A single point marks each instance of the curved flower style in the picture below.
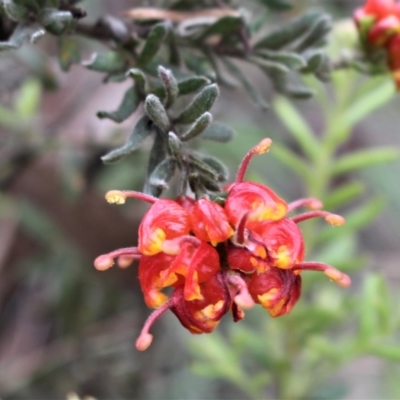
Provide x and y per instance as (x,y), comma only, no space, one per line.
(378,22)
(217,257)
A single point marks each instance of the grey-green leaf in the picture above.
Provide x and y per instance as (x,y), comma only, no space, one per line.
(292,31)
(254,95)
(218,132)
(153,43)
(111,62)
(224,26)
(129,104)
(140,132)
(201,103)
(156,112)
(55,21)
(163,173)
(170,85)
(200,125)
(277,4)
(140,80)
(220,169)
(290,59)
(192,84)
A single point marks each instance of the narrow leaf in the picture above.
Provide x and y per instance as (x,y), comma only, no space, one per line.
(200,125)
(218,132)
(201,103)
(111,62)
(369,103)
(68,51)
(363,159)
(291,60)
(291,32)
(140,132)
(156,112)
(298,127)
(140,80)
(357,220)
(278,4)
(344,194)
(220,169)
(158,153)
(163,173)
(170,85)
(192,84)
(224,26)
(254,95)
(153,43)
(291,161)
(129,104)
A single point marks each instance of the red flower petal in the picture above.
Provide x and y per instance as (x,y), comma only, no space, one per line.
(209,222)
(262,203)
(166,219)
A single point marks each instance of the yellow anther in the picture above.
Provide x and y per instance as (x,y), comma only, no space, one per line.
(115,197)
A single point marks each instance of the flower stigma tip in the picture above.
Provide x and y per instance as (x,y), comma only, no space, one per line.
(103,263)
(335,220)
(115,197)
(263,146)
(143,342)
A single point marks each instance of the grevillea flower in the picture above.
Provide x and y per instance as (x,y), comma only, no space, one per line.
(378,22)
(218,258)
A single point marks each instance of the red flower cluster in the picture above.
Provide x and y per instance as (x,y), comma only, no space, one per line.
(219,258)
(378,22)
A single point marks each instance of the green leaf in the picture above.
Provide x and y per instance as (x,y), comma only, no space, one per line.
(370,102)
(375,313)
(254,95)
(199,126)
(174,145)
(129,104)
(218,132)
(357,220)
(297,127)
(364,158)
(68,52)
(385,351)
(14,11)
(153,43)
(224,26)
(291,160)
(203,168)
(201,103)
(140,132)
(170,85)
(22,33)
(289,59)
(220,169)
(291,32)
(158,153)
(344,194)
(268,65)
(192,84)
(156,112)
(55,21)
(278,4)
(163,173)
(315,33)
(314,58)
(27,102)
(111,62)
(140,79)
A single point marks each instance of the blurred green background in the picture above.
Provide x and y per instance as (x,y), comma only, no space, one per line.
(65,327)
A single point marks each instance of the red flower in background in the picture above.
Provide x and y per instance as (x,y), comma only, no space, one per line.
(218,258)
(378,22)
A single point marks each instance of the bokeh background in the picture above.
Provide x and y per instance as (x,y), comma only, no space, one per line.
(64,327)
